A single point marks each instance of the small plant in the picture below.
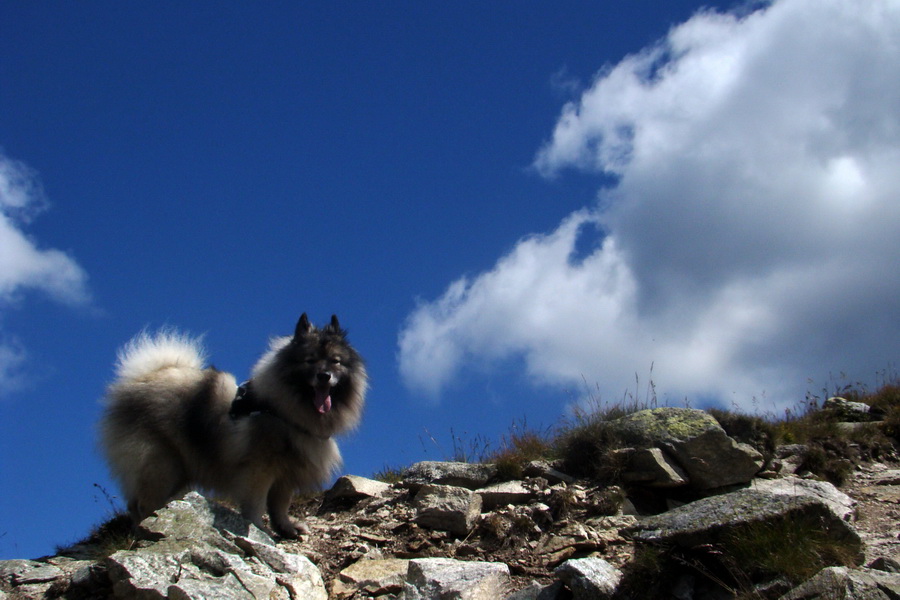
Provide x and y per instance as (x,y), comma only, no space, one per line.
(651,573)
(118,533)
(753,430)
(521,446)
(389,475)
(794,548)
(607,502)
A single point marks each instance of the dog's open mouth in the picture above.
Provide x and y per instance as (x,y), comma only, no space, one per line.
(323,398)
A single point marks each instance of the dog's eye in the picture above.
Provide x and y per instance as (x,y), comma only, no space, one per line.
(334,360)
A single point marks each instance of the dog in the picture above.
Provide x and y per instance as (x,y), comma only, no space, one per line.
(171,424)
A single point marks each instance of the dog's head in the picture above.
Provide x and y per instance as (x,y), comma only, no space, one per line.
(325,362)
(314,378)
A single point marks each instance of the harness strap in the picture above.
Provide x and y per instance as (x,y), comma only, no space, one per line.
(247,404)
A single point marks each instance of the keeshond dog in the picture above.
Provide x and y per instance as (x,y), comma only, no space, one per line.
(171,423)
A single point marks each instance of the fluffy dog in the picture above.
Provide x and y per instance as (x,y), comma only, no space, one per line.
(171,423)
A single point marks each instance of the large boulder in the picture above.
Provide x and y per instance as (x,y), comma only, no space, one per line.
(852,584)
(842,505)
(710,520)
(696,441)
(196,548)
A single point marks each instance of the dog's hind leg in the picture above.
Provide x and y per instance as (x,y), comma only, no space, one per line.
(154,487)
(279,501)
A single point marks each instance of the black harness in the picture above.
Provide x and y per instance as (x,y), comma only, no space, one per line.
(247,404)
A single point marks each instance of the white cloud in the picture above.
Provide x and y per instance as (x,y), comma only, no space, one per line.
(25,266)
(751,240)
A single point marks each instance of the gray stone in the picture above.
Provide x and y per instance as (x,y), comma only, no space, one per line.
(508,492)
(192,550)
(842,505)
(373,577)
(447,508)
(145,574)
(886,564)
(653,468)
(195,518)
(536,591)
(354,487)
(25,572)
(227,587)
(696,441)
(848,411)
(468,475)
(274,557)
(541,468)
(306,583)
(835,583)
(448,579)
(589,578)
(706,521)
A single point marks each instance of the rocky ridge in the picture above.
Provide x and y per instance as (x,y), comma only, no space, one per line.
(452,530)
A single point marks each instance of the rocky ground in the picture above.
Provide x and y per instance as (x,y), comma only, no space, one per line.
(342,532)
(459,530)
(876,487)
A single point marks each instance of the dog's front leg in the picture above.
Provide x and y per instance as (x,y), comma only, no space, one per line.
(280,497)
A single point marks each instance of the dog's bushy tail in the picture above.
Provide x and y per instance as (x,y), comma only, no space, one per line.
(147,353)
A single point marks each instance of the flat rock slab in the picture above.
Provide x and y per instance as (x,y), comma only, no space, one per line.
(708,520)
(448,579)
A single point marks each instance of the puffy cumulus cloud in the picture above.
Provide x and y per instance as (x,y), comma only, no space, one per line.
(751,238)
(24,265)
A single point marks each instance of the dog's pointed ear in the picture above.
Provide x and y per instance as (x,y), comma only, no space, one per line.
(334,323)
(303,326)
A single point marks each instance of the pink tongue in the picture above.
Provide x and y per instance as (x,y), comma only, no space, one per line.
(323,401)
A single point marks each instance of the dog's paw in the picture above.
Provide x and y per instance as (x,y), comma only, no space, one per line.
(287,527)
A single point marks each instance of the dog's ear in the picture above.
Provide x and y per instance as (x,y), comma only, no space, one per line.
(334,323)
(303,326)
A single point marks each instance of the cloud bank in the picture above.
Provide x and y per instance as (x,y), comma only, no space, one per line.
(752,236)
(25,266)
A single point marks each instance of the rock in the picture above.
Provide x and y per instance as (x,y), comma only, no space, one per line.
(852,584)
(709,520)
(589,578)
(883,563)
(196,548)
(542,468)
(142,574)
(696,441)
(847,411)
(354,487)
(468,475)
(508,492)
(447,508)
(842,505)
(448,579)
(25,572)
(536,591)
(373,577)
(195,518)
(653,468)
(888,477)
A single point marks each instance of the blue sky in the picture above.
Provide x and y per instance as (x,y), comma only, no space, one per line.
(510,206)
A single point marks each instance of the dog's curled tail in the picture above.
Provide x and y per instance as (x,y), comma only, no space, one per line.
(147,353)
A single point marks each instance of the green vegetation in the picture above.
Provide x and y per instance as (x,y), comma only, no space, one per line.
(109,537)
(585,445)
